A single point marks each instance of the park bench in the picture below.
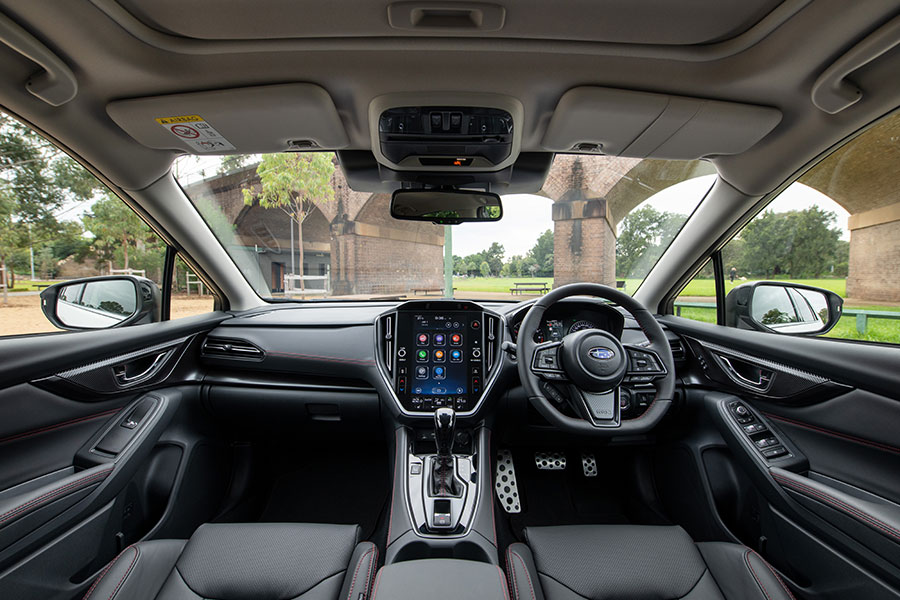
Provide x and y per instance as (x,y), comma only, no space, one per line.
(521,287)
(429,291)
(41,286)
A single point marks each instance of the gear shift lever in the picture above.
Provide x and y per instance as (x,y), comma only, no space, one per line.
(444,426)
(443,481)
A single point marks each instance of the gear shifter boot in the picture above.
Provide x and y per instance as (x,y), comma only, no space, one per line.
(443,480)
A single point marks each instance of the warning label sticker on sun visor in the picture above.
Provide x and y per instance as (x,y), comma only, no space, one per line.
(196,133)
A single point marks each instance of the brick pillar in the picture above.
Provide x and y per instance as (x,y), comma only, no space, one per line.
(584,241)
(875,255)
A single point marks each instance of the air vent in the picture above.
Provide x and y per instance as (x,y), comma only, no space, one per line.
(493,339)
(386,328)
(230,348)
(678,351)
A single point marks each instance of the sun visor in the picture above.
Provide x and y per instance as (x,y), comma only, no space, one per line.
(253,120)
(642,125)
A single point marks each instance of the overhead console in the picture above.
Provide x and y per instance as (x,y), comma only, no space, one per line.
(445,132)
(439,354)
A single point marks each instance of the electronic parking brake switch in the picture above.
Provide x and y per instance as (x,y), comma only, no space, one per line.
(120,434)
(766,443)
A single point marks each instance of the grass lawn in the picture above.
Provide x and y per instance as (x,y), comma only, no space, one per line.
(495,284)
(878,330)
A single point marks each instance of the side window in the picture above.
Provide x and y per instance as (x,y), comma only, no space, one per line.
(697,301)
(190,295)
(836,228)
(58,222)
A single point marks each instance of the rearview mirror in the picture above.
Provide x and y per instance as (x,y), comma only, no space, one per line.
(101,302)
(782,307)
(444,207)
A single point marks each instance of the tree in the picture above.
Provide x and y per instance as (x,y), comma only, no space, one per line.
(232,162)
(36,179)
(494,257)
(294,182)
(541,254)
(117,229)
(643,236)
(485,269)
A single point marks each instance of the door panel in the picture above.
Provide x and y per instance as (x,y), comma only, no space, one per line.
(835,407)
(80,417)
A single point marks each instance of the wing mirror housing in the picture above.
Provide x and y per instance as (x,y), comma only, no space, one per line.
(446,207)
(783,307)
(102,302)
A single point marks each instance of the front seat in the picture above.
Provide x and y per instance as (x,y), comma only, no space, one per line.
(260,561)
(634,562)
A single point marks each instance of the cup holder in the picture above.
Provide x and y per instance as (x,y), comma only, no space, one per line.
(422,549)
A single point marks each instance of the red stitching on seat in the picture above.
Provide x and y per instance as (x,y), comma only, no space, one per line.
(372,564)
(511,571)
(775,573)
(503,583)
(51,495)
(527,575)
(752,572)
(356,572)
(377,579)
(104,572)
(867,518)
(127,573)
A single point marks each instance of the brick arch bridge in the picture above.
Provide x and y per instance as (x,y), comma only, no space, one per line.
(367,252)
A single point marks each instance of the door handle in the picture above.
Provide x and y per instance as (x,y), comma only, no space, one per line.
(123,378)
(763,377)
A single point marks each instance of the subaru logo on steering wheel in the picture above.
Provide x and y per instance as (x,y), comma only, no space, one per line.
(601,353)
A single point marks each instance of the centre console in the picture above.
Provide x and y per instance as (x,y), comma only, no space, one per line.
(439,354)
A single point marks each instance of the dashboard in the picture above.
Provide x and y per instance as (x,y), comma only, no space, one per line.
(568,317)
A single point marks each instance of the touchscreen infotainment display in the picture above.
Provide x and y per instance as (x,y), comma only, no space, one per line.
(439,359)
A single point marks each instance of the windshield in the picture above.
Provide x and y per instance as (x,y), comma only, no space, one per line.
(297,231)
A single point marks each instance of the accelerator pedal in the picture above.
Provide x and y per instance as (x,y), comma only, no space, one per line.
(505,483)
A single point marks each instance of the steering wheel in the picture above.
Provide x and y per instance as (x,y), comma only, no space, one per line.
(593,364)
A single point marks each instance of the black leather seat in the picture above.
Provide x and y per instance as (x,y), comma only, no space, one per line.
(633,562)
(265,561)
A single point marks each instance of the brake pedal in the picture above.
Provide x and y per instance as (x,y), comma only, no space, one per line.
(589,465)
(550,461)
(505,486)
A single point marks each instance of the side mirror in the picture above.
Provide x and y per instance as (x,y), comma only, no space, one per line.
(782,307)
(446,207)
(102,302)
